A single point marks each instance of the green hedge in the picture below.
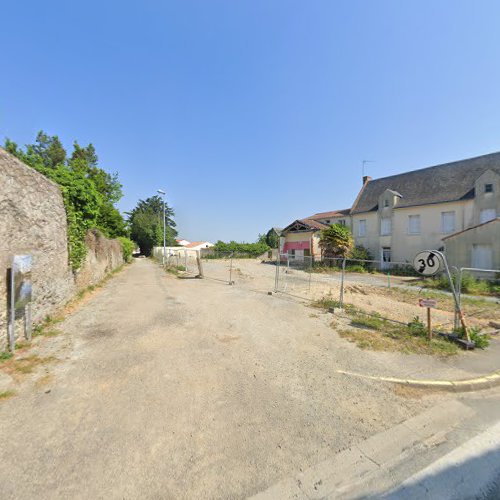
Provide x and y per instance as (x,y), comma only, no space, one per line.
(128,247)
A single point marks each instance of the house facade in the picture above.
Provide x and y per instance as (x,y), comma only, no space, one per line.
(476,247)
(301,238)
(398,216)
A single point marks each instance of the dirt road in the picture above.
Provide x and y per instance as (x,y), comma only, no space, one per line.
(170,388)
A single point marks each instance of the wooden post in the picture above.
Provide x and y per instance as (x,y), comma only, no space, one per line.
(200,265)
(429,323)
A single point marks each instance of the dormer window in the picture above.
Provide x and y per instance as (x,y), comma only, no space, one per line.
(488,188)
(386,203)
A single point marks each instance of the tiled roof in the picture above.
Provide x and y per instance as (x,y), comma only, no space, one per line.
(313,223)
(195,244)
(334,213)
(441,183)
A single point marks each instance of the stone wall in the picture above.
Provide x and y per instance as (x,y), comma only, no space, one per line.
(103,255)
(33,221)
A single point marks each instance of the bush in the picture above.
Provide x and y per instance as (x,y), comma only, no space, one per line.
(470,284)
(416,327)
(128,247)
(241,249)
(357,268)
(480,340)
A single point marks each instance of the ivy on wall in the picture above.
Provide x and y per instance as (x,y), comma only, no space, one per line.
(88,191)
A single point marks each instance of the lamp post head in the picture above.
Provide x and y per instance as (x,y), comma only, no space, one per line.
(161,192)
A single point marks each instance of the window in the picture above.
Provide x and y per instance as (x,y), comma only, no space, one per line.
(482,256)
(386,203)
(307,252)
(385,226)
(447,222)
(487,214)
(327,221)
(342,222)
(488,188)
(414,224)
(362,228)
(292,252)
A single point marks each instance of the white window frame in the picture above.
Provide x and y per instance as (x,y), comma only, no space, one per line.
(362,224)
(385,226)
(414,228)
(446,227)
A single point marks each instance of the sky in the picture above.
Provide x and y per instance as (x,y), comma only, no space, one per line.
(253,113)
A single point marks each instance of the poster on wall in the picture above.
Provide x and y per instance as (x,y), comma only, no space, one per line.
(21,283)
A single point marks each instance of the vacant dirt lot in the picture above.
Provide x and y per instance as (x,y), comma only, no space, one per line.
(365,291)
(161,387)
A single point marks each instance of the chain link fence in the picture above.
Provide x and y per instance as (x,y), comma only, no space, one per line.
(305,276)
(390,290)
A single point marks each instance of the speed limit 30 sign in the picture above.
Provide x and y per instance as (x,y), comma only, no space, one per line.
(427,263)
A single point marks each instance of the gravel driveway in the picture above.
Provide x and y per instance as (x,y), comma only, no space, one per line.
(185,388)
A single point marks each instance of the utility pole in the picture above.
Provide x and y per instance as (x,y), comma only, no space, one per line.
(160,191)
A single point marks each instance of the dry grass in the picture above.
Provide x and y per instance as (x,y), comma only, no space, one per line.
(396,339)
(26,364)
(6,394)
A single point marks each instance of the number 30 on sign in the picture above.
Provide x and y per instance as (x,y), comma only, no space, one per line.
(427,263)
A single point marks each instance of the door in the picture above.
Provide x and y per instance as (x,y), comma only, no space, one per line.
(386,258)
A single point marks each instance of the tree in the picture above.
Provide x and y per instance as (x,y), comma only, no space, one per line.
(89,192)
(273,238)
(146,224)
(336,241)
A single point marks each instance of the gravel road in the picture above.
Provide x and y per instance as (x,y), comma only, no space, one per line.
(186,388)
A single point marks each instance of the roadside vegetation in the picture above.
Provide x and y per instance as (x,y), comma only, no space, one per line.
(470,284)
(239,250)
(146,224)
(372,331)
(89,192)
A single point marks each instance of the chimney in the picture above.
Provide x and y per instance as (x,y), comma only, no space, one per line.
(366,178)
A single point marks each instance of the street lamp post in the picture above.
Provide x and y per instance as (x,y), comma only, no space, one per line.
(164,228)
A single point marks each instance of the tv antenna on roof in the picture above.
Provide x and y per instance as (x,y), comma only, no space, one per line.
(363,163)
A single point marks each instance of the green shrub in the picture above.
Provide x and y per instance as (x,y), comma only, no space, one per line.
(128,247)
(416,327)
(469,284)
(240,250)
(357,268)
(359,252)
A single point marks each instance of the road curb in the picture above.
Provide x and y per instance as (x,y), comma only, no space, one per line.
(473,384)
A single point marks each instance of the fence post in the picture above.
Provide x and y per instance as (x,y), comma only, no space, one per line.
(185,260)
(200,265)
(28,323)
(277,273)
(341,299)
(459,296)
(310,274)
(231,268)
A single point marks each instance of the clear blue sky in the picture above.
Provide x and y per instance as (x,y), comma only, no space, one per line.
(252,113)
